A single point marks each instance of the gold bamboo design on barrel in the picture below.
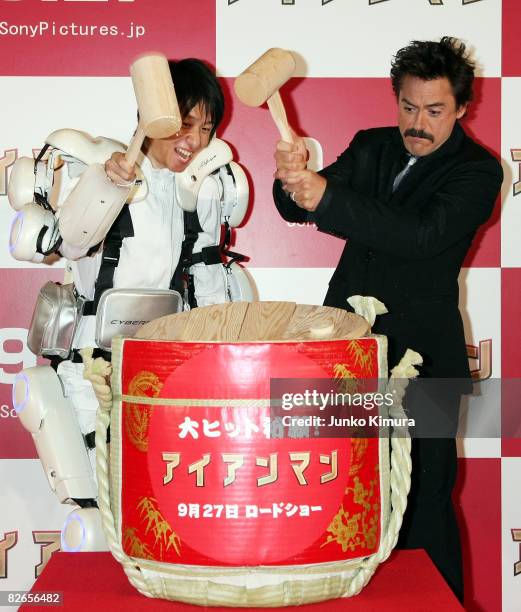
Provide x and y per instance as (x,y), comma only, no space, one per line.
(134,546)
(164,536)
(360,355)
(358,452)
(358,529)
(137,416)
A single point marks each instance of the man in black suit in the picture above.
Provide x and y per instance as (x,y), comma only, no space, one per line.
(408,200)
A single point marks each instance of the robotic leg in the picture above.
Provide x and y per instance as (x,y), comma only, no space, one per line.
(49,416)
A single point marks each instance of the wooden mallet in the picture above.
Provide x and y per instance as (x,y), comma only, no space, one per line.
(261,82)
(95,202)
(159,115)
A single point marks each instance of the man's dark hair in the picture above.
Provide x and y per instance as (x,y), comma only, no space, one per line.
(430,60)
(194,84)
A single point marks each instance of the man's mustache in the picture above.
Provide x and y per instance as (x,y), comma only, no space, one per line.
(418,134)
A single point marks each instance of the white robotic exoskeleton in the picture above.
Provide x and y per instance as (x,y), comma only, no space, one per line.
(92,206)
(188,182)
(38,393)
(215,161)
(25,180)
(50,418)
(83,532)
(79,150)
(38,230)
(34,229)
(82,147)
(235,194)
(34,233)
(240,286)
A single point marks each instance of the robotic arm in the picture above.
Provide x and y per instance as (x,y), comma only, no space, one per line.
(36,230)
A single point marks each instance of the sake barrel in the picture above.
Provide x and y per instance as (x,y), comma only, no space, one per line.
(215,495)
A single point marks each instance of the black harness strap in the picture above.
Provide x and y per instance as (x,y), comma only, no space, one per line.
(182,281)
(42,201)
(41,154)
(209,256)
(121,228)
(225,247)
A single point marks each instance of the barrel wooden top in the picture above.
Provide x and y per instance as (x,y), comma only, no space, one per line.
(257,322)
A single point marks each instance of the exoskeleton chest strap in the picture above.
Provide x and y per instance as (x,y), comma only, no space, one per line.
(122,228)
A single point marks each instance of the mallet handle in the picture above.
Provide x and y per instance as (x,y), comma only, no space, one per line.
(134,147)
(278,112)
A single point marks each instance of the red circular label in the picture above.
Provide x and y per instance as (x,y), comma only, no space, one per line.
(235,495)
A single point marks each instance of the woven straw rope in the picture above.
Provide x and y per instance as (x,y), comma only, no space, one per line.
(209,592)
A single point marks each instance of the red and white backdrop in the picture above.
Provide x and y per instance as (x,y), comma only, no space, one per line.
(64,63)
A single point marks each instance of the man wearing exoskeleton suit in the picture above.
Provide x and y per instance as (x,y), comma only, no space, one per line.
(168,237)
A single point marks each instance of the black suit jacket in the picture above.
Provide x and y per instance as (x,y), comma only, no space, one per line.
(406,248)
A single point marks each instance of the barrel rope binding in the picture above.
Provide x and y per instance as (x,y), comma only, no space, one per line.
(400,474)
(97,371)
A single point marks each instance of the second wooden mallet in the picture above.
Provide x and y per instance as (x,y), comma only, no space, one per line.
(261,82)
